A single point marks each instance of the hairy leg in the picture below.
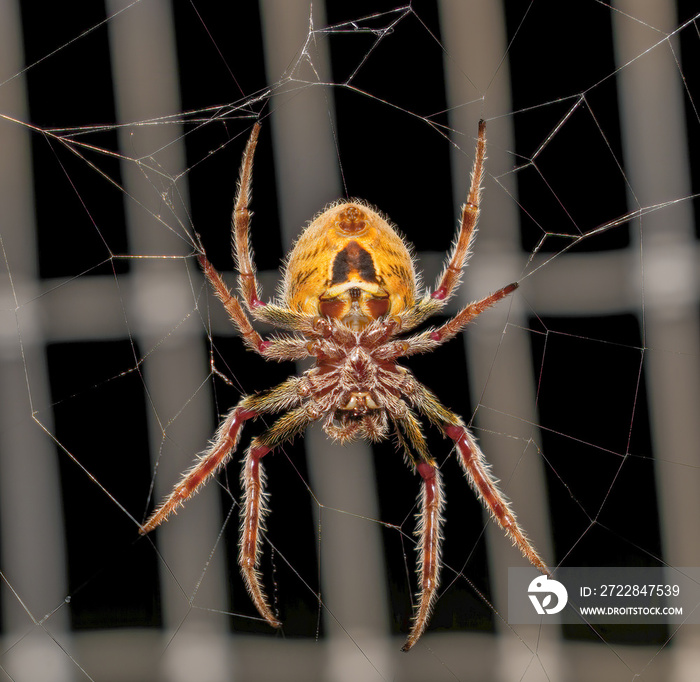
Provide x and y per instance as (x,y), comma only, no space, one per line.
(457,258)
(432,338)
(223,446)
(454,325)
(277,348)
(482,481)
(233,307)
(253,509)
(242,250)
(429,529)
(477,470)
(430,541)
(451,275)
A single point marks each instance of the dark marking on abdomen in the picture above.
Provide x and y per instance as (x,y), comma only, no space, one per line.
(353,259)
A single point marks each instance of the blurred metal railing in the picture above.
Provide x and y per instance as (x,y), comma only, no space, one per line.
(196,643)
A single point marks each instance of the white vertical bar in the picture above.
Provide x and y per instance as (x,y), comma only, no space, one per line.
(145,73)
(302,122)
(476,67)
(31,520)
(352,569)
(656,164)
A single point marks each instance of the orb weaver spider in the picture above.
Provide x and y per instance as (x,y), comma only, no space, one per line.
(349,291)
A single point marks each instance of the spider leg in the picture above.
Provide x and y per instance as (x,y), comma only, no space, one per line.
(280,348)
(281,316)
(432,338)
(233,307)
(242,250)
(486,486)
(430,536)
(453,326)
(477,470)
(452,273)
(223,446)
(254,508)
(428,530)
(247,278)
(421,311)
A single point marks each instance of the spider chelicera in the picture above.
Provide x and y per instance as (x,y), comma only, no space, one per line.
(350,292)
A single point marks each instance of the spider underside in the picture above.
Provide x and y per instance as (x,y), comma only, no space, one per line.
(350,291)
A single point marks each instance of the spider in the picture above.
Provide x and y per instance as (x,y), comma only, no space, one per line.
(350,292)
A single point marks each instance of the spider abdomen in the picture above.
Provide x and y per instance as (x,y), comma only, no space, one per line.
(350,264)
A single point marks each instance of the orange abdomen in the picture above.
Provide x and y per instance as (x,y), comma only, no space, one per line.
(350,261)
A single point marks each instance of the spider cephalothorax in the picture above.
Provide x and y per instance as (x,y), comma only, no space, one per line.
(350,298)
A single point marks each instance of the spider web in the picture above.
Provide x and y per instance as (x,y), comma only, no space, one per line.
(117,361)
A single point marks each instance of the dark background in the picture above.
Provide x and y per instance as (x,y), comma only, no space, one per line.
(113,578)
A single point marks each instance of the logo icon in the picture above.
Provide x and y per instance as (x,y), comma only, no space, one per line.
(540,592)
